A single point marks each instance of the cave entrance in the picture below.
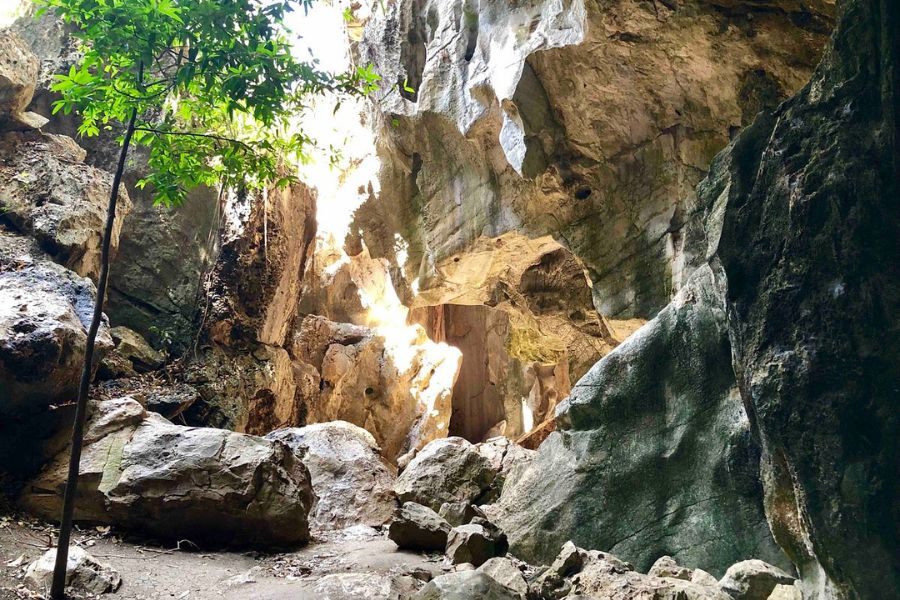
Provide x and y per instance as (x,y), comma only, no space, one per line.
(479,332)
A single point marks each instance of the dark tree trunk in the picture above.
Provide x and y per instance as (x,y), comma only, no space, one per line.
(57,591)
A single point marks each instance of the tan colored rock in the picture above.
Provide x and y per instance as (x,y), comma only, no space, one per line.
(589,121)
(19,70)
(520,310)
(395,383)
(135,348)
(48,193)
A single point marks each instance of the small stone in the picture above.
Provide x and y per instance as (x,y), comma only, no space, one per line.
(753,580)
(84,573)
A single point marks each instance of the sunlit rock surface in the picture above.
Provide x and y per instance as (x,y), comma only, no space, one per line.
(592,122)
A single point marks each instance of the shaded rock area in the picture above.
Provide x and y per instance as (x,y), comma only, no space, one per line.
(212,486)
(417,527)
(809,244)
(589,121)
(659,411)
(353,484)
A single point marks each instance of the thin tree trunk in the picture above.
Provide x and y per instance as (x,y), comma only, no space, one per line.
(57,591)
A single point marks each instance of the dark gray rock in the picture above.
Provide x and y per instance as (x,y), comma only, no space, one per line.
(809,246)
(417,527)
(653,453)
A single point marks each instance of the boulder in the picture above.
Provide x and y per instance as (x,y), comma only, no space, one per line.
(446,470)
(459,513)
(475,543)
(140,471)
(465,585)
(786,592)
(353,484)
(417,527)
(753,580)
(84,573)
(45,311)
(368,586)
(47,192)
(19,70)
(652,454)
(505,572)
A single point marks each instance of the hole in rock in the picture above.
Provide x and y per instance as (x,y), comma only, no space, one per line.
(470,26)
(583,193)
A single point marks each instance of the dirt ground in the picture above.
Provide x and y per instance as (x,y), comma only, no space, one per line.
(359,563)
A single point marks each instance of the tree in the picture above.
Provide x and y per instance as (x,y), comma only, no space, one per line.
(210,88)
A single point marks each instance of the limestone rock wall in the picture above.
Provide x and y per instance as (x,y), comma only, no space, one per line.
(592,122)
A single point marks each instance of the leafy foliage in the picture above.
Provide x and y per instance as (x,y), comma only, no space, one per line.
(213,83)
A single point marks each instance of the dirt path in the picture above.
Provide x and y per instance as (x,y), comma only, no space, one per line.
(359,563)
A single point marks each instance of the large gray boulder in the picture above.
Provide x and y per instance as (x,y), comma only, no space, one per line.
(354,485)
(211,486)
(653,454)
(446,470)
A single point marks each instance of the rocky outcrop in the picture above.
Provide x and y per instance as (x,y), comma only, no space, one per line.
(48,193)
(753,580)
(395,383)
(520,311)
(352,482)
(653,454)
(592,122)
(18,75)
(809,229)
(141,472)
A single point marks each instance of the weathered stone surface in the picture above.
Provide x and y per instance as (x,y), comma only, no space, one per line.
(352,482)
(19,69)
(520,310)
(368,586)
(45,311)
(394,383)
(807,200)
(142,472)
(84,573)
(652,455)
(665,566)
(135,348)
(47,192)
(505,571)
(465,585)
(459,513)
(589,121)
(475,543)
(753,580)
(417,527)
(446,470)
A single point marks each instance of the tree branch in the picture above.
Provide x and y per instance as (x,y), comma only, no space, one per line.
(210,136)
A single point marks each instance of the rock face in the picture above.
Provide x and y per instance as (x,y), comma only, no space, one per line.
(520,311)
(592,122)
(47,192)
(809,246)
(394,383)
(352,482)
(653,453)
(215,487)
(84,573)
